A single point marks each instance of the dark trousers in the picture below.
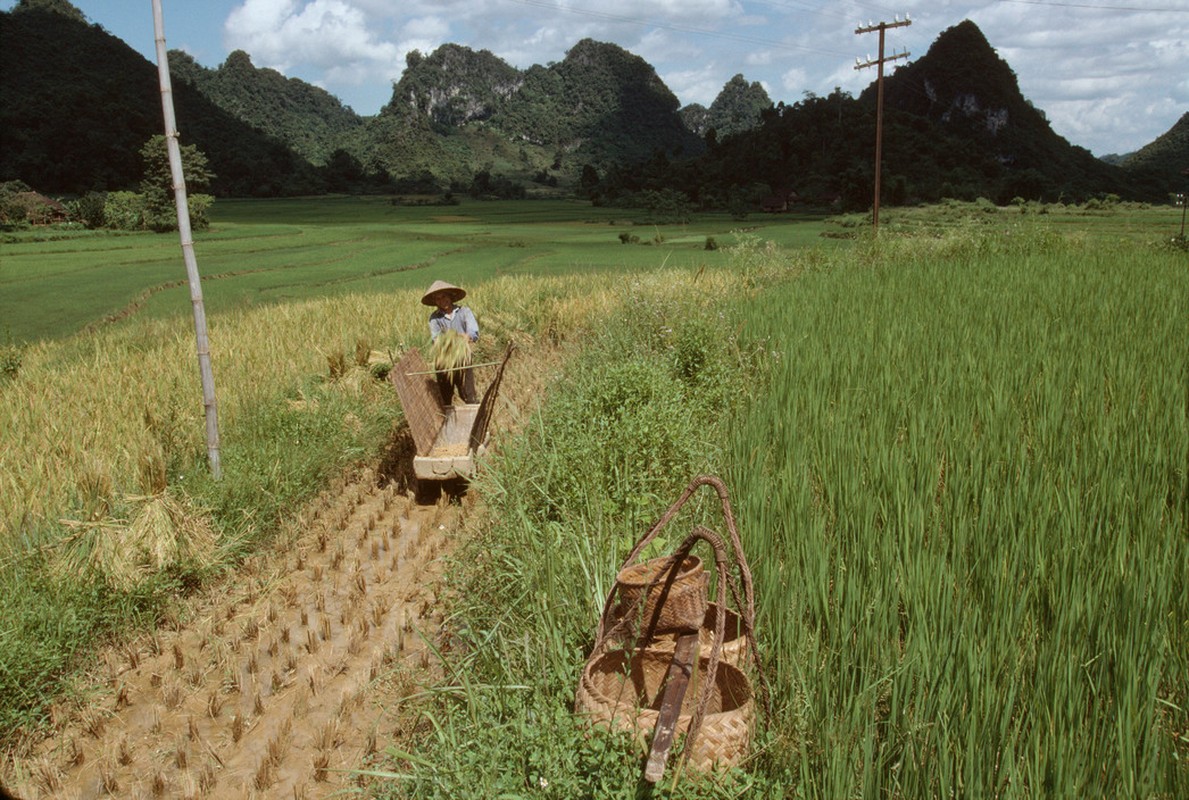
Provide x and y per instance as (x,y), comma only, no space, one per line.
(462,380)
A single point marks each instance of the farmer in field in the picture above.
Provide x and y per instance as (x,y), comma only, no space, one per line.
(453,330)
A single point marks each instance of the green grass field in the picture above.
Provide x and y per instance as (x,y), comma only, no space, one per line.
(959,455)
(276,251)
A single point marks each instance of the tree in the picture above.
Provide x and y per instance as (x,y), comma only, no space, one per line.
(62,7)
(588,181)
(344,173)
(89,209)
(160,213)
(12,211)
(737,108)
(666,205)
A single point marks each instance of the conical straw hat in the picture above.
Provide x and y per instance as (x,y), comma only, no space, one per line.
(456,292)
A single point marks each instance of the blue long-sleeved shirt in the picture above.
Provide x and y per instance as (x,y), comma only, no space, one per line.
(460,318)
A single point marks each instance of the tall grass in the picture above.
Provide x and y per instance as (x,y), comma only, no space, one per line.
(81,413)
(966,488)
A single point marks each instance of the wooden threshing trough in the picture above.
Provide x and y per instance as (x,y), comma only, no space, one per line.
(447,439)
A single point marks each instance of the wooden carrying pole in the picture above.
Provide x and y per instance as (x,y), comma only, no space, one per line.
(183,207)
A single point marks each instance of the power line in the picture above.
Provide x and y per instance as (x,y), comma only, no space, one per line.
(807,7)
(1147,9)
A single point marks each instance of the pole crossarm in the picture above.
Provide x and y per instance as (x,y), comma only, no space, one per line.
(878,61)
(883,26)
(880,28)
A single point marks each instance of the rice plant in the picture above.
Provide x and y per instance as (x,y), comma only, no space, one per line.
(966,491)
(106,510)
(961,483)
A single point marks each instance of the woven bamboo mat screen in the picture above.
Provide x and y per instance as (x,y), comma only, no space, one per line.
(487,404)
(420,399)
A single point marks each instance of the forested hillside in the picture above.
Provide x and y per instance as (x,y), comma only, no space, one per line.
(434,130)
(1165,160)
(955,126)
(459,111)
(600,103)
(312,121)
(737,108)
(79,104)
(962,90)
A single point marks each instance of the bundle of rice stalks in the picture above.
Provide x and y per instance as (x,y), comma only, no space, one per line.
(161,534)
(450,350)
(379,364)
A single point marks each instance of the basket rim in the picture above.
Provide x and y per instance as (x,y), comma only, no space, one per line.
(727,672)
(649,572)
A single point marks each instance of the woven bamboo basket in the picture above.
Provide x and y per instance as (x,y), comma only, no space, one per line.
(623,690)
(677,605)
(735,650)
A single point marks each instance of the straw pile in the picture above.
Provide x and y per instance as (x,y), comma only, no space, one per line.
(161,534)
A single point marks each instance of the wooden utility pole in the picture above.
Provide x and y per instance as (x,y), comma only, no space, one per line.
(183,208)
(881,27)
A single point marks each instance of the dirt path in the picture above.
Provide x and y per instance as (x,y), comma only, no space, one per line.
(282,682)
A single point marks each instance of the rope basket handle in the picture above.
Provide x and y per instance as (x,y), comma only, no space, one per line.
(729,518)
(746,605)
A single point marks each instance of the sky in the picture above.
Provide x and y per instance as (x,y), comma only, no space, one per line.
(1110,75)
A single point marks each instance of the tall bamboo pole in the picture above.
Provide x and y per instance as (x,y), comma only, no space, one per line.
(192,277)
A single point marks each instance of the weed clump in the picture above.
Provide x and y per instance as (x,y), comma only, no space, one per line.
(11,357)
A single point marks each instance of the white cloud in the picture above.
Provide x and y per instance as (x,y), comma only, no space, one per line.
(427,27)
(693,11)
(761,58)
(793,83)
(333,36)
(1109,80)
(696,85)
